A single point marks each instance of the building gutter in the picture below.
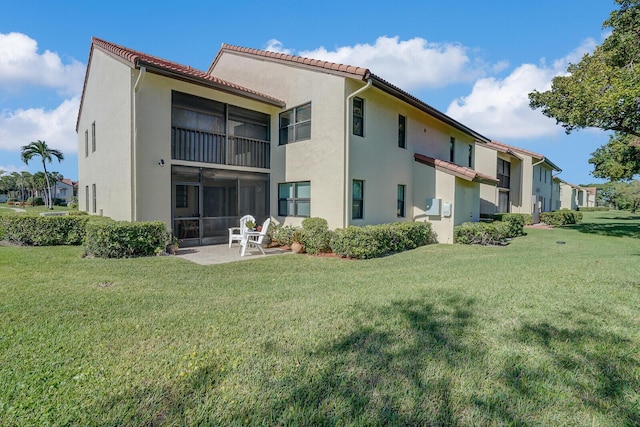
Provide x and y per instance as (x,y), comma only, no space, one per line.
(134,147)
(345,211)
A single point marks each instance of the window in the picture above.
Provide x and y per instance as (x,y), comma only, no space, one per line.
(402,135)
(401,204)
(470,162)
(295,124)
(93,137)
(86,198)
(504,174)
(86,144)
(452,150)
(93,189)
(182,196)
(357,199)
(358,116)
(294,199)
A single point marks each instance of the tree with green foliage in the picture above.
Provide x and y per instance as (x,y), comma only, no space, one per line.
(46,154)
(617,160)
(603,91)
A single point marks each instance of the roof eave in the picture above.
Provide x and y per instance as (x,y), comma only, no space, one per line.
(207,83)
(404,96)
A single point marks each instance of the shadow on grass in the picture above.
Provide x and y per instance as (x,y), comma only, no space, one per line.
(612,229)
(600,368)
(414,362)
(384,374)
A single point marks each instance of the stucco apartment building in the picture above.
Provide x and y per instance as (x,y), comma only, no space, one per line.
(271,135)
(525,180)
(574,197)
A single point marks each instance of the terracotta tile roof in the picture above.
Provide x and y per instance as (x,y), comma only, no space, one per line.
(456,170)
(136,59)
(505,148)
(352,72)
(296,60)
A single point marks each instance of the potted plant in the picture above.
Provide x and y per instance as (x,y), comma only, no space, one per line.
(251,225)
(296,245)
(172,248)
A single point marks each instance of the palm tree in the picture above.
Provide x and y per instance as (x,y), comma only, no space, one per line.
(55,178)
(41,149)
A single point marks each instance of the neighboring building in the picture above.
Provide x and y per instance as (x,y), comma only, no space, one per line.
(575,197)
(591,196)
(266,134)
(65,190)
(525,180)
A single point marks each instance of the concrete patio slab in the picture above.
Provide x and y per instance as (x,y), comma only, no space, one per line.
(220,254)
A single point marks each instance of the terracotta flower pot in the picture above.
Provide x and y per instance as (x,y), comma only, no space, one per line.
(296,247)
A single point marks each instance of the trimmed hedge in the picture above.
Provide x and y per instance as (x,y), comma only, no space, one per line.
(515,222)
(373,241)
(122,239)
(315,235)
(592,209)
(561,217)
(527,218)
(482,233)
(36,230)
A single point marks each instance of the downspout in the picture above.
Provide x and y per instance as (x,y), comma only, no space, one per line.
(345,212)
(134,148)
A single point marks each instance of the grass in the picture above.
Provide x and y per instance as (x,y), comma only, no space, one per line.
(535,333)
(34,209)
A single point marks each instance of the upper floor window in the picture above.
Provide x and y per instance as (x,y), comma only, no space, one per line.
(504,174)
(470,160)
(86,145)
(357,199)
(452,150)
(401,201)
(295,124)
(294,199)
(358,116)
(93,137)
(402,134)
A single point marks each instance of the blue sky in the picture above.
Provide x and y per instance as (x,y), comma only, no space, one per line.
(474,60)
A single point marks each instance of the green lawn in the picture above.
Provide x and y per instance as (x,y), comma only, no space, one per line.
(535,333)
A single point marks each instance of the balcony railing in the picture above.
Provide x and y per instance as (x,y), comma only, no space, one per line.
(199,146)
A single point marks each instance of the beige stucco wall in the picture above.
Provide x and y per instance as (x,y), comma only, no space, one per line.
(153,109)
(107,102)
(319,159)
(374,158)
(486,162)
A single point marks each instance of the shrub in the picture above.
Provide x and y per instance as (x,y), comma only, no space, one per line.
(36,230)
(122,239)
(481,233)
(561,217)
(35,201)
(528,218)
(594,209)
(59,202)
(378,240)
(315,235)
(283,234)
(515,222)
(72,205)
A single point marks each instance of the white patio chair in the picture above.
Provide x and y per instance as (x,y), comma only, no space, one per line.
(254,238)
(236,233)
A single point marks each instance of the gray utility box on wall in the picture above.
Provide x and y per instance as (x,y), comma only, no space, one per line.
(433,207)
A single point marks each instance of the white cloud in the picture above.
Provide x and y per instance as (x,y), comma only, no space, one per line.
(274,45)
(22,65)
(56,127)
(409,64)
(499,108)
